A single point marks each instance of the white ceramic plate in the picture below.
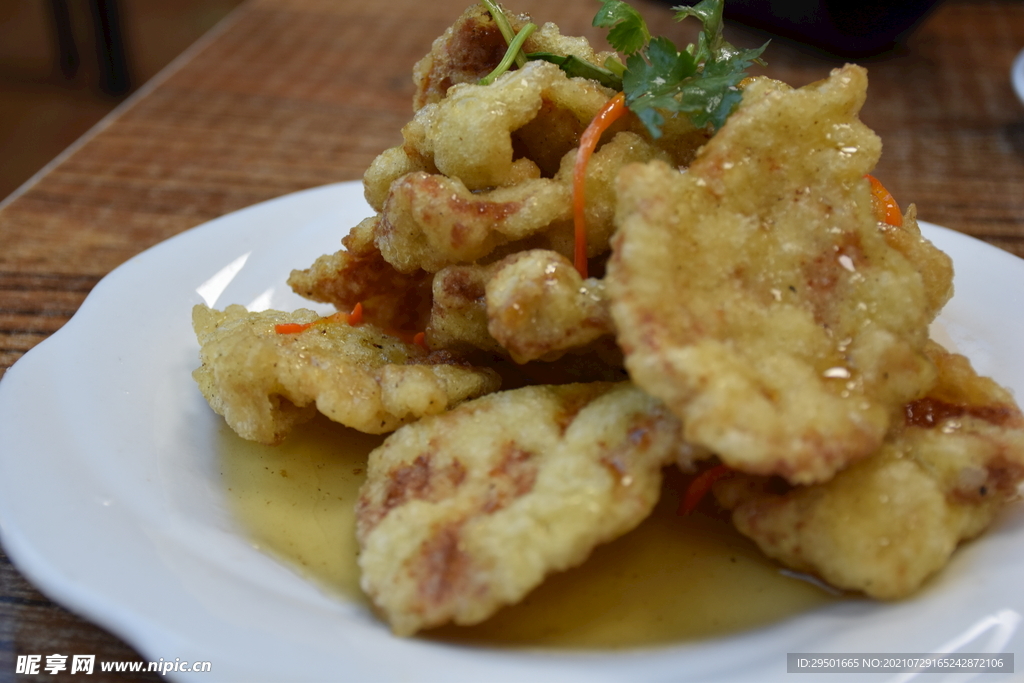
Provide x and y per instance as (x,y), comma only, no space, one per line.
(111,503)
(1017,75)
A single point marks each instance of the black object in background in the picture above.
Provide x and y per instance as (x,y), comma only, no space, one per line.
(839,27)
(110,53)
(109,38)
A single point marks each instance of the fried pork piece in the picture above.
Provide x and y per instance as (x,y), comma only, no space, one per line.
(491,165)
(530,305)
(466,52)
(538,306)
(935,266)
(358,274)
(473,46)
(465,512)
(458,316)
(468,134)
(264,383)
(430,221)
(756,295)
(887,523)
(488,169)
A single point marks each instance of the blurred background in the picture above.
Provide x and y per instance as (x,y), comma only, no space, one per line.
(64,64)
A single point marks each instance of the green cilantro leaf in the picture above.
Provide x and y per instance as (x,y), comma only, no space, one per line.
(658,79)
(573,66)
(651,80)
(716,93)
(628,31)
(700,82)
(712,43)
(657,71)
(709,12)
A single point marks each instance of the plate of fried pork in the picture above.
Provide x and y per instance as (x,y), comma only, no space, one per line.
(588,379)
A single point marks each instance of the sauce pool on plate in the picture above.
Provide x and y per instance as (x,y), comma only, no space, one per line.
(672,579)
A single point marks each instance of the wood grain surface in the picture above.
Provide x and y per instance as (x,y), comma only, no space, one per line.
(291,94)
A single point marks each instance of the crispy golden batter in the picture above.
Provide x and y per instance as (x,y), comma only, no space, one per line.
(485,171)
(538,306)
(468,134)
(887,523)
(358,274)
(465,512)
(458,317)
(389,166)
(430,221)
(471,48)
(602,170)
(263,383)
(530,305)
(467,51)
(935,266)
(755,294)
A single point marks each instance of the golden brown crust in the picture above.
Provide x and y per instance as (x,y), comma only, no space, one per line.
(394,301)
(538,306)
(755,295)
(468,511)
(532,305)
(887,523)
(466,52)
(936,267)
(473,46)
(264,382)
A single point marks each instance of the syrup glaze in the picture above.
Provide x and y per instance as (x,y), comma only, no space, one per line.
(673,579)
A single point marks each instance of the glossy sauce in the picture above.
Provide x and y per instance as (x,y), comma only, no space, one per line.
(673,579)
(930,412)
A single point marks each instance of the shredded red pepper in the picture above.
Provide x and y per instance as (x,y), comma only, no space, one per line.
(291,328)
(354,318)
(421,340)
(612,110)
(886,208)
(701,486)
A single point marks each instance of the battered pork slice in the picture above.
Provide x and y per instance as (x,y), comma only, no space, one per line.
(530,305)
(471,48)
(757,296)
(358,274)
(538,306)
(887,523)
(263,382)
(465,512)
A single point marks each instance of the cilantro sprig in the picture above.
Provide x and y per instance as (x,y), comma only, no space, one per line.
(657,79)
(700,81)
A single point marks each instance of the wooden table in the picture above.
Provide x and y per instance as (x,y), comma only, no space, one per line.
(291,94)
